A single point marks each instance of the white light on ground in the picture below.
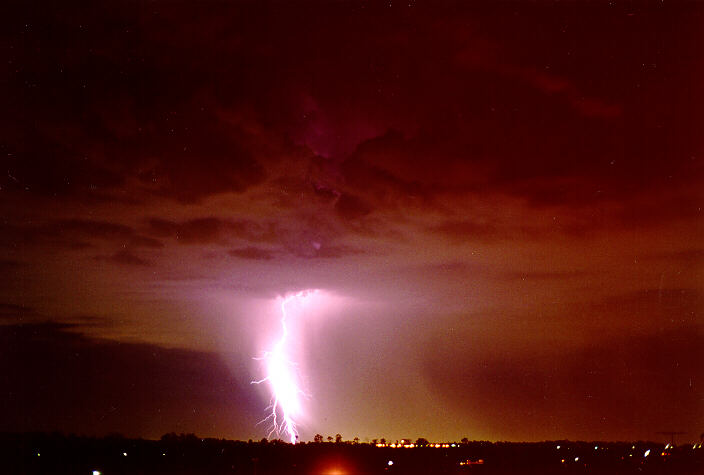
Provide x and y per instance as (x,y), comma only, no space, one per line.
(96,472)
(390,463)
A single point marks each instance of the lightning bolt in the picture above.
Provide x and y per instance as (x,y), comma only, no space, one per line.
(281,374)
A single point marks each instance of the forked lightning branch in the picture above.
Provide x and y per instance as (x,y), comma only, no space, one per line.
(282,374)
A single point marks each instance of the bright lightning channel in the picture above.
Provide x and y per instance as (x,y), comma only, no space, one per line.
(281,374)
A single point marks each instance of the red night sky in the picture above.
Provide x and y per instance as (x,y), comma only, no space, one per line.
(501,202)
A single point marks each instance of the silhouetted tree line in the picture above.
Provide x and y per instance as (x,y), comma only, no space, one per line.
(56,453)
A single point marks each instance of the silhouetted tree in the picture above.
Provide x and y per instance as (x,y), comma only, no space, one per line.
(422,442)
(356,440)
(382,441)
(318,438)
(465,440)
(170,437)
(329,438)
(338,438)
(374,441)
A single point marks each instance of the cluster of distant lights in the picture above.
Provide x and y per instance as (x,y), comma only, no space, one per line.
(665,452)
(404,444)
(408,445)
(470,462)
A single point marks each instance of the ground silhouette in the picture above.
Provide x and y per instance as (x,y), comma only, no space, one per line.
(33,453)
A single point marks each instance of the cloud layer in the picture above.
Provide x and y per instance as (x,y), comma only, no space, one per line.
(527,177)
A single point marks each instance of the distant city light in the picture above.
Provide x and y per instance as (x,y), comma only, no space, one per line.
(390,463)
(576,459)
(647,452)
(124,454)
(558,447)
(96,472)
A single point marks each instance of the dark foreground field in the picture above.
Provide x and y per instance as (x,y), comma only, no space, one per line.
(58,454)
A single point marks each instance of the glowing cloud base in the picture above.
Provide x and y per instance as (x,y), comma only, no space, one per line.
(282,375)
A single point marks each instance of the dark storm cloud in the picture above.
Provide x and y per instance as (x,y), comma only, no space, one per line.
(75,234)
(547,276)
(510,138)
(251,252)
(551,84)
(694,256)
(46,169)
(125,257)
(9,264)
(147,389)
(98,229)
(213,230)
(12,313)
(144,241)
(650,212)
(98,97)
(487,230)
(608,388)
(205,157)
(657,307)
(332,252)
(312,251)
(462,231)
(12,235)
(393,165)
(91,105)
(195,231)
(349,207)
(302,239)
